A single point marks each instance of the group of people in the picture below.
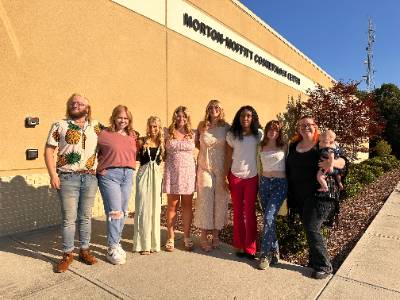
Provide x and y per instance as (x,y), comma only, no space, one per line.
(240,162)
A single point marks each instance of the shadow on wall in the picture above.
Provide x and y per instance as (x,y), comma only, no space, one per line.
(27,203)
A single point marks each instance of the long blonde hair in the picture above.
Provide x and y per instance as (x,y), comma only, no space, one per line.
(207,119)
(160,136)
(116,111)
(69,101)
(188,125)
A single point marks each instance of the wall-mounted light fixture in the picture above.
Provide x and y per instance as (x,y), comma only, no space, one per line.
(32,154)
(31,122)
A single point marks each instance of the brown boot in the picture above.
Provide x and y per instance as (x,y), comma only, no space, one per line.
(64,263)
(86,257)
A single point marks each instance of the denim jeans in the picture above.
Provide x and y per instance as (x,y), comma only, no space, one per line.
(272,192)
(315,212)
(77,193)
(115,188)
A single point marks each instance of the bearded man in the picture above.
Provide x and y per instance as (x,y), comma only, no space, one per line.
(73,174)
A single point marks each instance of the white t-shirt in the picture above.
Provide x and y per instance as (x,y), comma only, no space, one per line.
(244,160)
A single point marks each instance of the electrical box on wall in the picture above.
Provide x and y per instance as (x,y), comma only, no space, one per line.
(32,154)
(31,122)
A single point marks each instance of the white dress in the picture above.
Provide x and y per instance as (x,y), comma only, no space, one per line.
(212,197)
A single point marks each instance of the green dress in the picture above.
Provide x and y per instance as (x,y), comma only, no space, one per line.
(146,235)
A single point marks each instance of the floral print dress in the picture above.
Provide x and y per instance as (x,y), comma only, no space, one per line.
(180,167)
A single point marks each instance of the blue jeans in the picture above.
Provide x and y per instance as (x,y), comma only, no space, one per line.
(77,193)
(115,188)
(272,192)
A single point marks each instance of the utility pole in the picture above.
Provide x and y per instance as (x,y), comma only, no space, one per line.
(369,77)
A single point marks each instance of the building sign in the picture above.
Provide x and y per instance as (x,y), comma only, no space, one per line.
(234,46)
(193,23)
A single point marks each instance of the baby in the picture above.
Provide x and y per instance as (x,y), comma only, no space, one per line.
(329,150)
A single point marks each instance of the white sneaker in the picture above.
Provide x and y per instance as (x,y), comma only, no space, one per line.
(114,256)
(123,253)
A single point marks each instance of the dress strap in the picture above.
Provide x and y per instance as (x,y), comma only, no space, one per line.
(157,153)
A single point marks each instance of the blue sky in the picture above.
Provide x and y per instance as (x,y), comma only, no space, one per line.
(334,34)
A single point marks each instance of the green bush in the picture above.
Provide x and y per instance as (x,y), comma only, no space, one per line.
(392,160)
(291,235)
(383,148)
(351,189)
(387,163)
(367,171)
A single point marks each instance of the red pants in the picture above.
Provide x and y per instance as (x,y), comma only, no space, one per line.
(244,195)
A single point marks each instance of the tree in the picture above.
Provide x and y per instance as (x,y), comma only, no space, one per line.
(353,119)
(387,98)
(294,111)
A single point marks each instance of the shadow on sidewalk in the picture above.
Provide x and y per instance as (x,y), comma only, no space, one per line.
(46,245)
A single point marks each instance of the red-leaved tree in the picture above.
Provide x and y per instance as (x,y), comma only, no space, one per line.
(354,119)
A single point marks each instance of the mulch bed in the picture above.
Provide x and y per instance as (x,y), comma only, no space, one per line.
(356,214)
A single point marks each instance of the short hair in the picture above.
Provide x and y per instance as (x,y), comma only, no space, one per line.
(69,101)
(297,136)
(330,134)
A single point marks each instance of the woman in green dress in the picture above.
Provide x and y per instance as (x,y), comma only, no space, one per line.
(146,238)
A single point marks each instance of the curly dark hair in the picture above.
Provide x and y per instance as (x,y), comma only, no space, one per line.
(236,127)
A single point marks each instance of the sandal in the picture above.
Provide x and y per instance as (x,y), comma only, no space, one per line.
(216,243)
(205,246)
(169,245)
(144,252)
(188,244)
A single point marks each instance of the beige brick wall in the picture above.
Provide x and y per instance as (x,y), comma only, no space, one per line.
(27,203)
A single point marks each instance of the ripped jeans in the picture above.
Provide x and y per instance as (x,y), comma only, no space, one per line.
(115,188)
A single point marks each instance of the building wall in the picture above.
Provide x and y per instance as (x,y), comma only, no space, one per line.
(117,52)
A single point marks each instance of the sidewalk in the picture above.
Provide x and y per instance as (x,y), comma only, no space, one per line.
(371,271)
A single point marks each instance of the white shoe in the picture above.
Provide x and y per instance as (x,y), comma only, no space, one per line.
(115,256)
(123,253)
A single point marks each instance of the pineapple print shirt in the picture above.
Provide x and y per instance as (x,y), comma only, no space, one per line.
(76,146)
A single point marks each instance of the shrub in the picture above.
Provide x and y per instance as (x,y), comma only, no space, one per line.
(392,161)
(291,235)
(366,172)
(351,189)
(387,163)
(383,148)
(384,162)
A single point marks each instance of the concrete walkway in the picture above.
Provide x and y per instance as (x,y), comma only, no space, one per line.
(371,271)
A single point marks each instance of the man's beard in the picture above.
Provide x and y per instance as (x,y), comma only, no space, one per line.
(78,114)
